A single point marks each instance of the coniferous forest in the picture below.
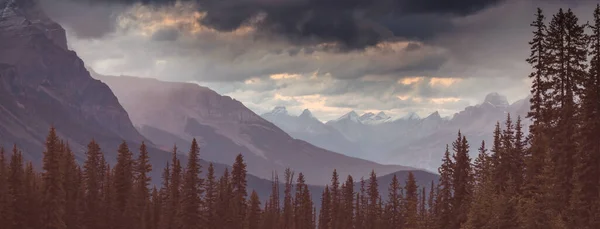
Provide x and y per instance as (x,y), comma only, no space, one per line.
(547,178)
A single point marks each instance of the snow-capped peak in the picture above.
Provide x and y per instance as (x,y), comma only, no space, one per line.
(496,100)
(278,110)
(381,116)
(306,114)
(411,116)
(434,115)
(352,116)
(367,116)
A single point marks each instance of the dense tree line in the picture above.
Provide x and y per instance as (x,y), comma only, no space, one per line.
(548,178)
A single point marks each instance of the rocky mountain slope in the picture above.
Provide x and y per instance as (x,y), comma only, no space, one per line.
(168,112)
(43,83)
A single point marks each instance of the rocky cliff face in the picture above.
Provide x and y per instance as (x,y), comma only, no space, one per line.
(42,83)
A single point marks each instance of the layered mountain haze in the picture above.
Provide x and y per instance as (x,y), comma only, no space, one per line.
(308,128)
(408,140)
(168,112)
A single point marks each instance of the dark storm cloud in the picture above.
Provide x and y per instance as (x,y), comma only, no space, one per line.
(85,21)
(353,24)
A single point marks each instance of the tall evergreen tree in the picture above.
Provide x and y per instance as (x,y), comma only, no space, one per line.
(123,185)
(5,210)
(53,201)
(303,205)
(191,191)
(585,182)
(165,197)
(373,212)
(172,217)
(156,207)
(567,63)
(335,200)
(411,216)
(93,171)
(142,183)
(210,198)
(16,182)
(347,206)
(444,198)
(108,198)
(254,212)
(32,194)
(462,180)
(395,203)
(324,214)
(224,212)
(481,209)
(238,175)
(71,183)
(432,217)
(288,206)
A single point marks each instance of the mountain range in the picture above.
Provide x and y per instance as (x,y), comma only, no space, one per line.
(409,140)
(44,84)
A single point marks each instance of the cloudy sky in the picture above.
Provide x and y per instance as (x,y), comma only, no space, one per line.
(330,56)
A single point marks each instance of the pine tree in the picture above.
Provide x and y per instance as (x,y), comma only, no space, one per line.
(423,209)
(254,212)
(210,198)
(93,171)
(17,209)
(32,194)
(373,208)
(531,206)
(288,207)
(71,184)
(53,201)
(481,209)
(303,205)
(518,156)
(411,216)
(165,197)
(335,201)
(172,211)
(568,52)
(224,211)
(347,209)
(156,204)
(444,198)
(272,208)
(239,185)
(324,214)
(123,188)
(108,198)
(5,210)
(358,216)
(497,163)
(142,183)
(431,213)
(191,191)
(587,168)
(395,200)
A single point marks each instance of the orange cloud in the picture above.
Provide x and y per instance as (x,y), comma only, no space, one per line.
(445,82)
(402,97)
(410,80)
(444,100)
(284,76)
